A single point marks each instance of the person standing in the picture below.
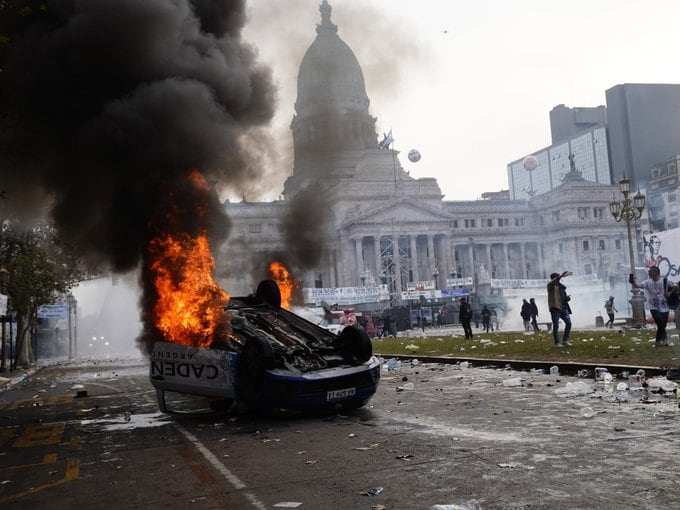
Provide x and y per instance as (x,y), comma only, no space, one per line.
(525,312)
(558,303)
(486,318)
(465,315)
(387,327)
(610,309)
(534,313)
(656,289)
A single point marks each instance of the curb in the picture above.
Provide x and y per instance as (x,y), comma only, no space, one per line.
(566,368)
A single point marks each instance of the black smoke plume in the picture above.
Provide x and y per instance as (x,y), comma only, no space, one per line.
(106,106)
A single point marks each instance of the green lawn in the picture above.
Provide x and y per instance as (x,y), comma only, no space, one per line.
(588,346)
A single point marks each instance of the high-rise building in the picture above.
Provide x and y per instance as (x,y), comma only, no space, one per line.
(638,129)
(644,128)
(587,149)
(567,122)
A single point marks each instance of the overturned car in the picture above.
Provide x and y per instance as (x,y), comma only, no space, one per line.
(270,358)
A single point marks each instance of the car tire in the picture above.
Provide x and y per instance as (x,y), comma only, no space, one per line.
(355,345)
(268,291)
(254,360)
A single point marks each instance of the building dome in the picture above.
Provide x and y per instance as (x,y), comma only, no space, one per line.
(330,74)
(331,126)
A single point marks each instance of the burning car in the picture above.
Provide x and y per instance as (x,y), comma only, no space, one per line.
(267,357)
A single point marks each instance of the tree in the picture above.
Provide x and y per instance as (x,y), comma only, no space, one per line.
(41,270)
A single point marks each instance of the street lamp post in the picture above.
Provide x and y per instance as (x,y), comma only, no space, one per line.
(628,210)
(72,338)
(4,285)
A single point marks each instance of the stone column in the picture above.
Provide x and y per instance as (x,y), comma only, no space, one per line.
(450,259)
(523,265)
(414,258)
(431,262)
(378,260)
(506,260)
(489,265)
(360,259)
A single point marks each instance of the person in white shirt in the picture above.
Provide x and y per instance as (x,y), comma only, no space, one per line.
(655,291)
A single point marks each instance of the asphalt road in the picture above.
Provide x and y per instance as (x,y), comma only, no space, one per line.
(460,436)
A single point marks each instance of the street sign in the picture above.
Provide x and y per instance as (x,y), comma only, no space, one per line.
(53,312)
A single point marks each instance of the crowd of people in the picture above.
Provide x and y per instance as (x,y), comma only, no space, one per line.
(661,297)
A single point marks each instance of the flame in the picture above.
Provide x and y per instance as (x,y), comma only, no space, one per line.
(190,303)
(284,281)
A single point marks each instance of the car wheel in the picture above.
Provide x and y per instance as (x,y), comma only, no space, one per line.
(255,359)
(355,346)
(268,291)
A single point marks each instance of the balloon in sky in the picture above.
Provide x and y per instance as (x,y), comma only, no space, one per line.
(530,163)
(414,155)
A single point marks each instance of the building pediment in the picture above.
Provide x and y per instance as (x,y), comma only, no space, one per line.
(401,210)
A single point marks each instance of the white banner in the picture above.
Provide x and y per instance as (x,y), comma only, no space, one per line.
(662,249)
(3,304)
(459,282)
(53,311)
(345,295)
(418,286)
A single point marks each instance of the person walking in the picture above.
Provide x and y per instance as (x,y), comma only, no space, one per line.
(465,315)
(656,290)
(387,327)
(486,318)
(610,309)
(525,312)
(558,303)
(534,313)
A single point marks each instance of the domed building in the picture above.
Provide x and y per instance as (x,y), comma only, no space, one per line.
(351,218)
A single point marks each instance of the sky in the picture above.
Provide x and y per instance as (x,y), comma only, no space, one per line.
(469,84)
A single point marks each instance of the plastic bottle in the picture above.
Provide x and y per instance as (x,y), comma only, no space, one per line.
(554,371)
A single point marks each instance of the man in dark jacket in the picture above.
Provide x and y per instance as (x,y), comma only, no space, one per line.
(558,302)
(465,317)
(534,313)
(525,312)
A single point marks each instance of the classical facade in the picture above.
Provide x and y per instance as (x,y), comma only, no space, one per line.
(387,227)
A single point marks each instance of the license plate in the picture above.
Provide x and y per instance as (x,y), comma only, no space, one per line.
(343,393)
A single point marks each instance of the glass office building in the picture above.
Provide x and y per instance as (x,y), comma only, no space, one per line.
(591,158)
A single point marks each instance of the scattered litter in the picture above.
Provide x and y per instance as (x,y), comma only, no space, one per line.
(404,456)
(311,461)
(587,412)
(465,505)
(662,384)
(512,382)
(393,364)
(574,389)
(407,386)
(287,504)
(374,491)
(506,465)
